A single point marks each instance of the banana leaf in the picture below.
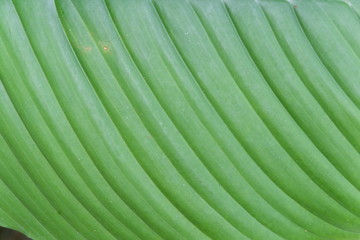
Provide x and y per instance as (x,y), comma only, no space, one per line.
(180,119)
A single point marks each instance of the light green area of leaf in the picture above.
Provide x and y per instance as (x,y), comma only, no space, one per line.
(180,119)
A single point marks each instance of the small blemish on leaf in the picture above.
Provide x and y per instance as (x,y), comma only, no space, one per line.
(87,48)
(105,46)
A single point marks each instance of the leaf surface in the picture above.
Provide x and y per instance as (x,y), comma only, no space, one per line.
(174,119)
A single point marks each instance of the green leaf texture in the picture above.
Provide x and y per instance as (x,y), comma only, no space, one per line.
(180,119)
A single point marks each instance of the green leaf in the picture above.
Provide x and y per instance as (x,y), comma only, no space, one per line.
(180,119)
